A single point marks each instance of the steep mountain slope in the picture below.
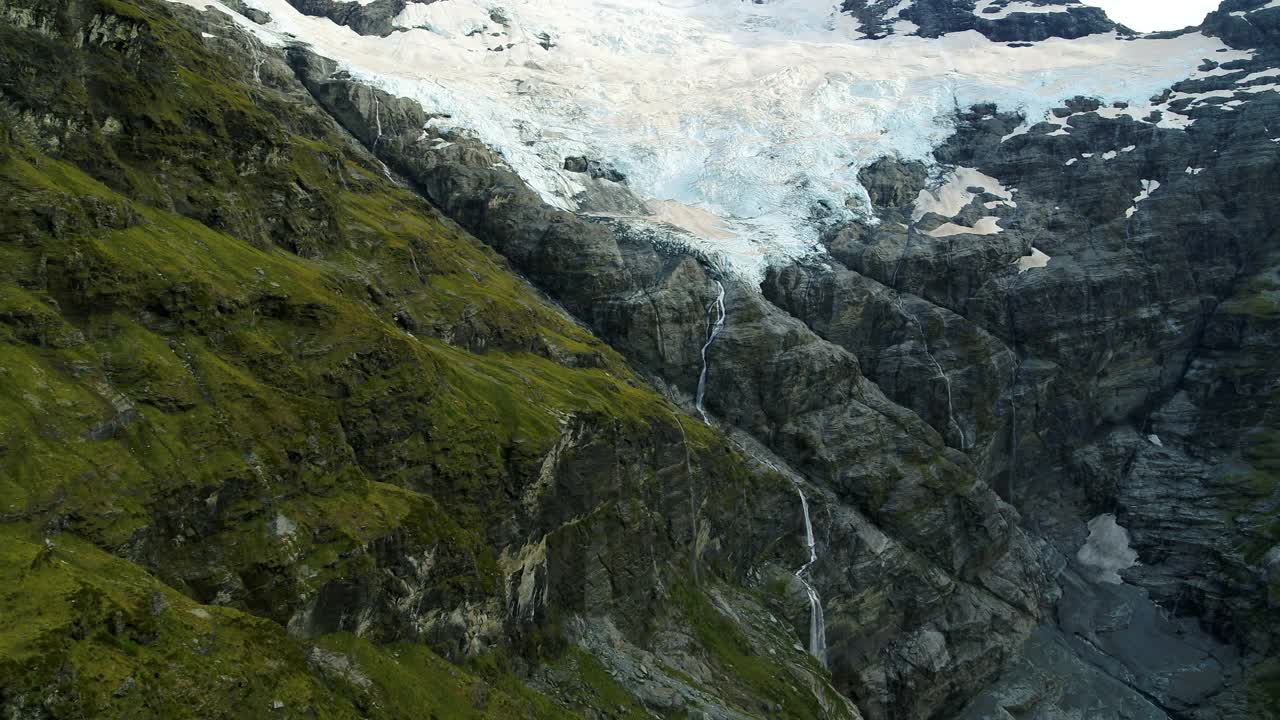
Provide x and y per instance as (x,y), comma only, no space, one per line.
(1045,365)
(978,299)
(272,425)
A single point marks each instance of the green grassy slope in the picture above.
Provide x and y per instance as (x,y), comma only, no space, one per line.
(235,361)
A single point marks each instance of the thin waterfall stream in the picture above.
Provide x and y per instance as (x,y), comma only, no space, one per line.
(817,623)
(716,327)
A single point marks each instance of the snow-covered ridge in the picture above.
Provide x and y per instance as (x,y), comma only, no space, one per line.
(982,9)
(754,113)
(1269,6)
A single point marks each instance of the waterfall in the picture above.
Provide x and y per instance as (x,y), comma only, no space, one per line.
(258,62)
(377,119)
(817,624)
(711,337)
(937,367)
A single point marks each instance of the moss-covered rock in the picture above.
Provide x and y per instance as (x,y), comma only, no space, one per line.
(276,439)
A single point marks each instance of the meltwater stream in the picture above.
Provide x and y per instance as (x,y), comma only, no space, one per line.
(718,305)
(817,624)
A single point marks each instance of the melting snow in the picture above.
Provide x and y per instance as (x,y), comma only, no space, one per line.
(690,219)
(1036,259)
(1272,72)
(984,226)
(1011,8)
(1268,6)
(752,113)
(900,26)
(954,195)
(1106,550)
(1148,187)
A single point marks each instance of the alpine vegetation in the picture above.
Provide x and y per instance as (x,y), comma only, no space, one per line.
(463,359)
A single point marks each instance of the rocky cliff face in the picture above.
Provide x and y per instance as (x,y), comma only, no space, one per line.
(345,388)
(998,20)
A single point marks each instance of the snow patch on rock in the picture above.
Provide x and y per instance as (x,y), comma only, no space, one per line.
(954,194)
(1037,259)
(981,9)
(1106,551)
(1148,187)
(1271,5)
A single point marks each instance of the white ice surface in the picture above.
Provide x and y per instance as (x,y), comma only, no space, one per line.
(754,113)
(1148,187)
(949,198)
(983,226)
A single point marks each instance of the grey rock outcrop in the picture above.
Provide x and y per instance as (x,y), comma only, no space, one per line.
(372,18)
(935,18)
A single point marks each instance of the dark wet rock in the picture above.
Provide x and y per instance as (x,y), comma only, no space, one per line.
(594,168)
(259,16)
(935,18)
(891,183)
(947,370)
(372,18)
(1246,24)
(1050,680)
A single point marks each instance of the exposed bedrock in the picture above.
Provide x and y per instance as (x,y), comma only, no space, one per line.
(800,396)
(1136,385)
(995,20)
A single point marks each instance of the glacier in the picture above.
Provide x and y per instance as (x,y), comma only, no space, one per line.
(742,124)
